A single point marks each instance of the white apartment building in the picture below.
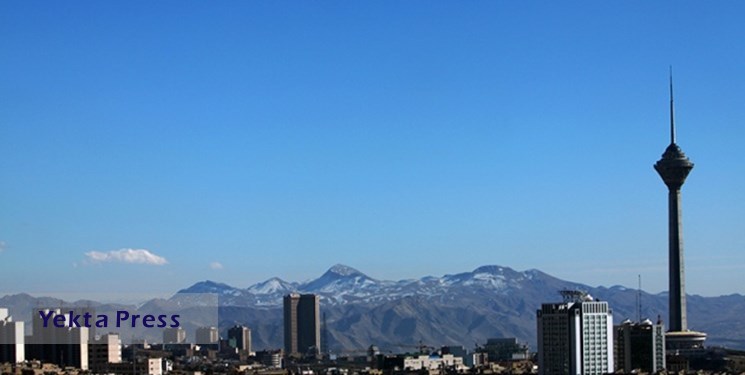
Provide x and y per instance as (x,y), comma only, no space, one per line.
(575,337)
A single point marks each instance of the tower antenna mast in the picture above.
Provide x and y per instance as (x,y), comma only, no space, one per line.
(672,109)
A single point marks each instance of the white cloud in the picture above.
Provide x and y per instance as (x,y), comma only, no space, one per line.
(126,256)
(216,265)
(3,246)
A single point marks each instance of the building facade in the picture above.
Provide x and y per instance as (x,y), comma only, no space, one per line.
(239,337)
(207,336)
(575,337)
(63,346)
(506,349)
(639,346)
(103,351)
(144,366)
(174,335)
(302,326)
(12,341)
(434,362)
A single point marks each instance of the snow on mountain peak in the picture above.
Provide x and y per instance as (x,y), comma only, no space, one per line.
(341,284)
(492,269)
(209,286)
(270,286)
(343,270)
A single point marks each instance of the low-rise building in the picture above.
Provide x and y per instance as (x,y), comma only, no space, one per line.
(434,362)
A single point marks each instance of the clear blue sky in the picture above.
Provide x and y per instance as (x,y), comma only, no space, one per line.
(240,140)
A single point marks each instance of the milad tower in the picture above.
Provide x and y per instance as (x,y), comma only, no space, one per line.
(674,168)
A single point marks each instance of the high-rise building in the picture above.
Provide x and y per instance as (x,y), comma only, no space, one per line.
(12,341)
(174,335)
(82,310)
(63,346)
(639,346)
(103,351)
(576,336)
(207,336)
(674,167)
(302,327)
(240,337)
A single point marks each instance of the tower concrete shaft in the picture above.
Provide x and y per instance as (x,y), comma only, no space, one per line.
(674,168)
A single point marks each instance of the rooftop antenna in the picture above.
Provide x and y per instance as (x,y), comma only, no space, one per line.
(575,295)
(672,111)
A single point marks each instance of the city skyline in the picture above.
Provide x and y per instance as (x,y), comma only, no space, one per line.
(152,146)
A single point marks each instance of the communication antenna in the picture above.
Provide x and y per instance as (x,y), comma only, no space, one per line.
(672,109)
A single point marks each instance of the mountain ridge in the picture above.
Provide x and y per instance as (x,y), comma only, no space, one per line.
(311,285)
(453,309)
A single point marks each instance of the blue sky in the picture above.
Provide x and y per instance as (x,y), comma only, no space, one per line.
(240,140)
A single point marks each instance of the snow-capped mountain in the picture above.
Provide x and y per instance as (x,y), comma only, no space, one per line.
(272,286)
(490,301)
(342,284)
(454,309)
(209,286)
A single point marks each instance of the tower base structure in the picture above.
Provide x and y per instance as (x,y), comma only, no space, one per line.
(684,348)
(683,341)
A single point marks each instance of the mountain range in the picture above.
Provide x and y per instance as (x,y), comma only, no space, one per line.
(460,309)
